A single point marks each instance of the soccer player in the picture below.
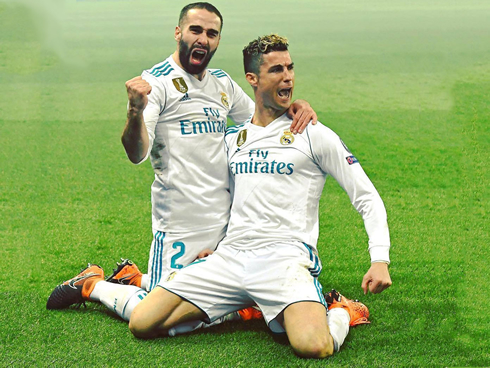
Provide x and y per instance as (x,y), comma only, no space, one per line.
(177,116)
(269,255)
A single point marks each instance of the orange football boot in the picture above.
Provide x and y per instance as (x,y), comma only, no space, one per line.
(250,313)
(358,312)
(76,290)
(126,273)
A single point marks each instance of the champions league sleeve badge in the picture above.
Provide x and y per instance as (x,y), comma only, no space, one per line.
(224,100)
(351,160)
(242,137)
(180,85)
(287,138)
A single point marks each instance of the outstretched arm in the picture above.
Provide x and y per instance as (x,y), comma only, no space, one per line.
(135,136)
(335,159)
(302,114)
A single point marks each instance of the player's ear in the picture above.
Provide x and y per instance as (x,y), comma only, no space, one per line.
(252,79)
(219,39)
(178,34)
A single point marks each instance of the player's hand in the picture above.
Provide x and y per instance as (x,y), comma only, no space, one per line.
(376,279)
(138,91)
(302,114)
(204,253)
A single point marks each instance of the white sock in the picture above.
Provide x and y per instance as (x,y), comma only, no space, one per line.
(125,309)
(194,325)
(185,327)
(338,322)
(145,280)
(119,298)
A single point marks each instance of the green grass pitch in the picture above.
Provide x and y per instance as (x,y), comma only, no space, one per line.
(406,84)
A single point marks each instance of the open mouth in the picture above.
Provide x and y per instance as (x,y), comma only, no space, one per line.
(198,56)
(284,93)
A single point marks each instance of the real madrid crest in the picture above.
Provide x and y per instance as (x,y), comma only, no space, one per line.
(242,137)
(287,138)
(224,99)
(179,83)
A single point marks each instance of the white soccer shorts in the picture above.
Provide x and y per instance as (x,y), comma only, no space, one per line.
(273,277)
(170,252)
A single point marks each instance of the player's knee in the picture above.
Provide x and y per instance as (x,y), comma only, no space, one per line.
(139,326)
(136,328)
(317,348)
(141,331)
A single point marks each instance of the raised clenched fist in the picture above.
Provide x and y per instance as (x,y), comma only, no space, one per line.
(138,91)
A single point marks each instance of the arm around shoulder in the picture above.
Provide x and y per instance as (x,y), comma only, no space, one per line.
(302,114)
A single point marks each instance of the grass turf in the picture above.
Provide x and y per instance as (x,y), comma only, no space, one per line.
(405,84)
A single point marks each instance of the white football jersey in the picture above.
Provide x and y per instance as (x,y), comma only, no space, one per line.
(279,178)
(186,120)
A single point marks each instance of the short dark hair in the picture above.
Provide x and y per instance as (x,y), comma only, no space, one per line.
(252,53)
(200,5)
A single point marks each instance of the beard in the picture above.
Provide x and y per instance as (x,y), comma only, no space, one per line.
(185,53)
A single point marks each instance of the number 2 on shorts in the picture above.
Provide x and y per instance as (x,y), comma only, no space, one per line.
(176,256)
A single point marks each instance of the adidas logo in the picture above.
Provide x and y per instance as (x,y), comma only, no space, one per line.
(185,98)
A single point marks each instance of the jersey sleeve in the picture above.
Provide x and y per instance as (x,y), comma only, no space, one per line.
(230,138)
(334,158)
(242,106)
(155,106)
